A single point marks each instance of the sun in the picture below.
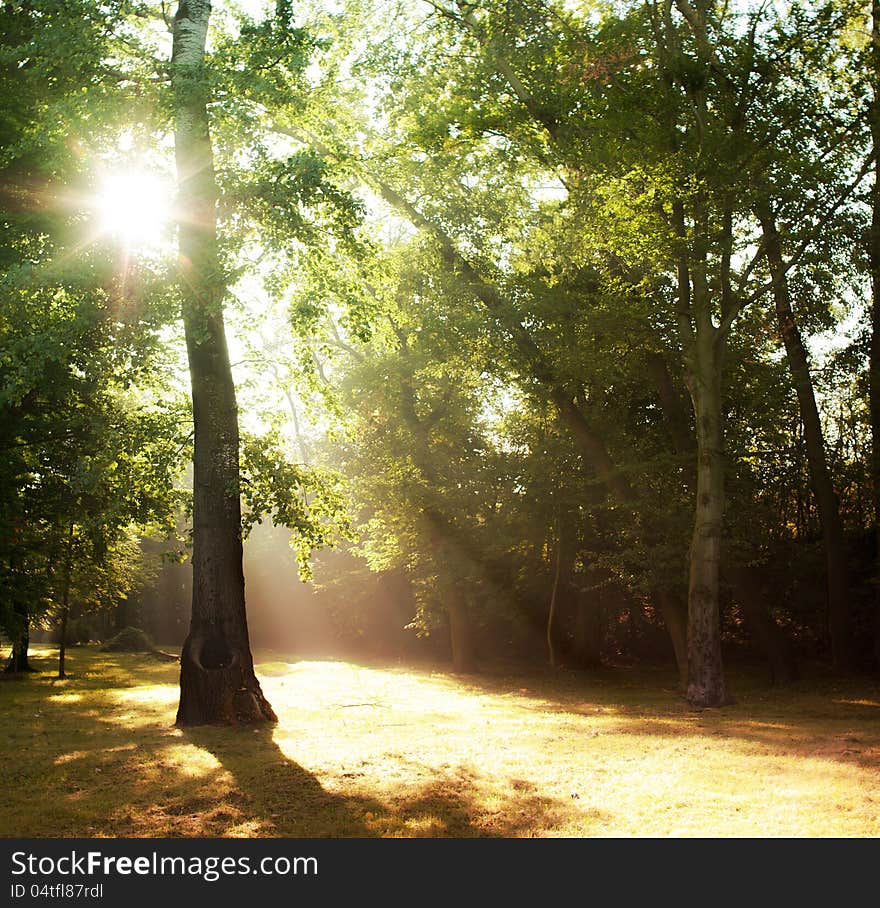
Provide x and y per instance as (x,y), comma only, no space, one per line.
(134,207)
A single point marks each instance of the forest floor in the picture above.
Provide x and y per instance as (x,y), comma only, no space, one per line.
(395,751)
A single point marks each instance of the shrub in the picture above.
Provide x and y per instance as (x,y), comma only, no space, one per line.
(130,640)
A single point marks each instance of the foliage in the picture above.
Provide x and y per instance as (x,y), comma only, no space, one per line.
(308,501)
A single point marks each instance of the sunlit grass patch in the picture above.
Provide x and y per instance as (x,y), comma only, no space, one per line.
(364,750)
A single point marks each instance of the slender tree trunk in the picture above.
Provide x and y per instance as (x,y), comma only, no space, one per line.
(217,681)
(674,615)
(65,604)
(62,638)
(20,630)
(766,632)
(551,614)
(836,557)
(706,685)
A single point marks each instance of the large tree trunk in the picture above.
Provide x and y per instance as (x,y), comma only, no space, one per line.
(18,658)
(217,681)
(706,685)
(21,639)
(836,558)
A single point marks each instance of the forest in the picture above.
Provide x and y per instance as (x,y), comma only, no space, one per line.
(508,370)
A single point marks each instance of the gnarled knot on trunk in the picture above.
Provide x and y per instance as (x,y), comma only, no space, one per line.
(248,706)
(212,653)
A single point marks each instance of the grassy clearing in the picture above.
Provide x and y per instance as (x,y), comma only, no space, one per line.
(399,752)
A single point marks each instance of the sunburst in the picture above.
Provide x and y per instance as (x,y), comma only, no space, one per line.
(134,208)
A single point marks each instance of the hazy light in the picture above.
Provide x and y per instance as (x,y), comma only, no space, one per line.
(134,207)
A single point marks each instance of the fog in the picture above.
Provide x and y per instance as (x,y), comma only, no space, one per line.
(345,610)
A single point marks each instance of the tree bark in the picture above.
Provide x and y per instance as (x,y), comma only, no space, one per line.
(18,658)
(65,603)
(706,686)
(836,556)
(21,639)
(551,613)
(217,680)
(62,638)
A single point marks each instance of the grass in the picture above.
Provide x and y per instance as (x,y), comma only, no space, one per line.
(372,751)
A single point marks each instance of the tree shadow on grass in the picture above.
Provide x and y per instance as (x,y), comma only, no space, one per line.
(289,801)
(281,796)
(97,755)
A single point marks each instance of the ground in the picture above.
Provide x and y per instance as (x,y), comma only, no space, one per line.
(400,751)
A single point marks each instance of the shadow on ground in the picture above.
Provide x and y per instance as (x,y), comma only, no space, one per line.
(98,756)
(289,801)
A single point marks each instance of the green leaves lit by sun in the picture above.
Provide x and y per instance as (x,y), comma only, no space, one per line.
(134,207)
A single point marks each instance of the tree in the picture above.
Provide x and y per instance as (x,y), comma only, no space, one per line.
(217,680)
(671,192)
